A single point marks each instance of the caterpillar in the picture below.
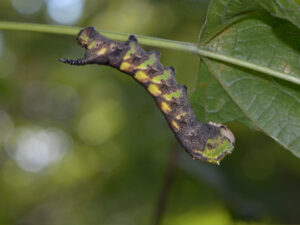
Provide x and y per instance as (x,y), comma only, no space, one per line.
(209,142)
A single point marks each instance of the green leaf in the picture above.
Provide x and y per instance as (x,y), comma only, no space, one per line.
(285,9)
(225,92)
(211,102)
(222,13)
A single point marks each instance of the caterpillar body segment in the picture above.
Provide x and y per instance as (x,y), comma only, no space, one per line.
(209,142)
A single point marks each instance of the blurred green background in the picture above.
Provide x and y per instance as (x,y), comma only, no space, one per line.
(87,145)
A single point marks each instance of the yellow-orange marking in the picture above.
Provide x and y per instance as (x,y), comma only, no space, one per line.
(125,66)
(154,90)
(180,115)
(165,107)
(141,76)
(102,51)
(175,125)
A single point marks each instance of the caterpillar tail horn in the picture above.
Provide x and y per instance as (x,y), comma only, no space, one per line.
(76,62)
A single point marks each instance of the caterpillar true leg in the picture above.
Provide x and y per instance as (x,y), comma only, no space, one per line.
(209,142)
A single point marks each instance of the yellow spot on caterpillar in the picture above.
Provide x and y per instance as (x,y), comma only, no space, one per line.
(141,76)
(175,94)
(102,51)
(149,61)
(175,125)
(165,107)
(112,45)
(154,90)
(132,50)
(125,66)
(92,45)
(180,115)
(164,76)
(84,39)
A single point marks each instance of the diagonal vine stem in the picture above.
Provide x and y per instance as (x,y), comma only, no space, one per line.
(154,42)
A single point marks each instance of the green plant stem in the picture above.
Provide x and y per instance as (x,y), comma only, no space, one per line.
(154,42)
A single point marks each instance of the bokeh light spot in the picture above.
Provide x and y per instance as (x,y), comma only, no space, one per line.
(100,123)
(66,11)
(36,149)
(27,7)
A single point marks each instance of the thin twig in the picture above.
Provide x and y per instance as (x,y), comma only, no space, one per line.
(168,180)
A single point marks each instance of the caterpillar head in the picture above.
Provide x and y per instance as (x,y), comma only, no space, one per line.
(87,36)
(95,45)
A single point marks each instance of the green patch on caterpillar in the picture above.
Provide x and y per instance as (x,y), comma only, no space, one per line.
(209,142)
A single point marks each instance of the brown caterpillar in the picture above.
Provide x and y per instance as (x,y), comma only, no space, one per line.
(209,142)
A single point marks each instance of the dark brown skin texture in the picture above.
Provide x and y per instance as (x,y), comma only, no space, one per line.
(209,142)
